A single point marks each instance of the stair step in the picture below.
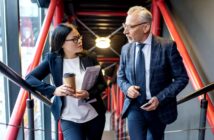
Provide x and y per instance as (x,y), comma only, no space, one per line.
(108,122)
(108,135)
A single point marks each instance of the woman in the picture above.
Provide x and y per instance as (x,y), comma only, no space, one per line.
(80,120)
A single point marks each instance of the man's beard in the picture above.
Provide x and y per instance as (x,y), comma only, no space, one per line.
(130,40)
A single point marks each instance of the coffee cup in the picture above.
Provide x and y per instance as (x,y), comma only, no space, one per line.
(69,80)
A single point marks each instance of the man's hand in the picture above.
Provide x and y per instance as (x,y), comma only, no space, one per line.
(153,104)
(133,92)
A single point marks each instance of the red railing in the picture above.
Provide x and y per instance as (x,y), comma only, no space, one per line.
(20,105)
(192,72)
(117,105)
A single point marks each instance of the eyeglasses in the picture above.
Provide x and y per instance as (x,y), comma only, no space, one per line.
(125,26)
(76,39)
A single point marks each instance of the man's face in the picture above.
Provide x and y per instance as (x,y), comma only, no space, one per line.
(135,30)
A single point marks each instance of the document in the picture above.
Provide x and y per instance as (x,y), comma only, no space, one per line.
(90,77)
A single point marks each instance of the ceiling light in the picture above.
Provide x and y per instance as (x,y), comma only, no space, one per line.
(103,72)
(103,42)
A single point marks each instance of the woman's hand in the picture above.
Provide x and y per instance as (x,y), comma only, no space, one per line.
(81,94)
(64,90)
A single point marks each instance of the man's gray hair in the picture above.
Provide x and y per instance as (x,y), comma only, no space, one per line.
(142,12)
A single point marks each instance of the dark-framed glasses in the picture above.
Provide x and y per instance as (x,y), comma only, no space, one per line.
(76,39)
(126,26)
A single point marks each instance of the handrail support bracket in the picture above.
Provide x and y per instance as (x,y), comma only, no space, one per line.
(30,111)
(202,123)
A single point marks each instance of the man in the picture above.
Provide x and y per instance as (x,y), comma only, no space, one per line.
(151,71)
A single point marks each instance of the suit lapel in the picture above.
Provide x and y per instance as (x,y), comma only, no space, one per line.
(85,61)
(58,69)
(154,55)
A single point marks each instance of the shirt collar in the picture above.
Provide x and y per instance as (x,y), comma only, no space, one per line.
(148,41)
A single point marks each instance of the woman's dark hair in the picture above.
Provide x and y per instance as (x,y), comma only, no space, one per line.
(58,38)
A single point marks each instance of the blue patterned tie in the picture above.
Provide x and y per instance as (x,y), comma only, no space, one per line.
(140,74)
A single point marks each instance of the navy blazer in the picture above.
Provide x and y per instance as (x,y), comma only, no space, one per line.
(53,64)
(168,76)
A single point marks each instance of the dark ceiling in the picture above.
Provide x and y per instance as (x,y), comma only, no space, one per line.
(102,17)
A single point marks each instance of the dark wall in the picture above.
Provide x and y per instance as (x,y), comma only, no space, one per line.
(194,19)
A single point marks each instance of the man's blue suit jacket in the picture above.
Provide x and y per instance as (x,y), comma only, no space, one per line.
(53,64)
(168,76)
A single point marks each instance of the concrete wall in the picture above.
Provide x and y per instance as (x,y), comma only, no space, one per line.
(195,20)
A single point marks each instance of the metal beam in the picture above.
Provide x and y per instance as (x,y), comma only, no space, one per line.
(101,13)
(108,59)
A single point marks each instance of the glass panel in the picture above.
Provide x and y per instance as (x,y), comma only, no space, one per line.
(29,29)
(2,95)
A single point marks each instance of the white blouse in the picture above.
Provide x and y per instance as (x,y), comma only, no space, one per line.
(76,110)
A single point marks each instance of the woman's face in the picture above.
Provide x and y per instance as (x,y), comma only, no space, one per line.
(73,44)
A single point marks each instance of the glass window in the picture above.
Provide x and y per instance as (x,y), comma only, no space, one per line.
(29,30)
(2,95)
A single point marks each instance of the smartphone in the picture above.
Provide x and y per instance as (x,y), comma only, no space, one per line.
(145,105)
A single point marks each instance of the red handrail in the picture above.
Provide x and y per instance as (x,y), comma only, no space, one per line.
(58,17)
(156,20)
(114,98)
(192,72)
(117,104)
(19,108)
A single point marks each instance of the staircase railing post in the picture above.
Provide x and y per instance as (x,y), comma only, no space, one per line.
(202,123)
(30,111)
